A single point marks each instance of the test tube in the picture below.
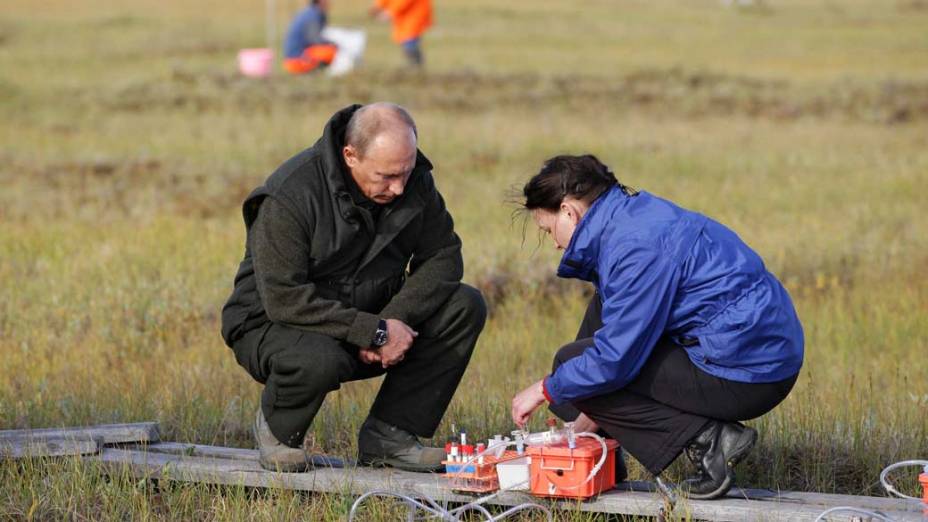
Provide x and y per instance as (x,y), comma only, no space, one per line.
(520,442)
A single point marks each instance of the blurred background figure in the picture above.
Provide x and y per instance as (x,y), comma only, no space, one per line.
(310,43)
(305,49)
(410,20)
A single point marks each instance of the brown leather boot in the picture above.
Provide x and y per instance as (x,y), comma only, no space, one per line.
(274,455)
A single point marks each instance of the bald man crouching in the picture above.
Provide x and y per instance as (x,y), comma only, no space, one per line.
(353,270)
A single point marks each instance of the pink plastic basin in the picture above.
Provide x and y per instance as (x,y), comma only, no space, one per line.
(255,62)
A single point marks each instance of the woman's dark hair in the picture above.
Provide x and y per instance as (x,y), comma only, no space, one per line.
(581,177)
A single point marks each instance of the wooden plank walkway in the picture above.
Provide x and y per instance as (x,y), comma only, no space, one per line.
(239,467)
(136,448)
(31,448)
(109,433)
(58,442)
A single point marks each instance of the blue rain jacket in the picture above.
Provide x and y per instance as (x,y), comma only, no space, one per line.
(662,270)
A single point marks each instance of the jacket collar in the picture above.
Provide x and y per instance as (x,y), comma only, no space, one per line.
(582,253)
(331,143)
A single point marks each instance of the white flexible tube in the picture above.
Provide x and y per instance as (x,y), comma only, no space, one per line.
(597,467)
(887,486)
(445,515)
(905,463)
(845,509)
(409,500)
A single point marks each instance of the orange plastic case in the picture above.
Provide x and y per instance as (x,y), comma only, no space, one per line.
(923,479)
(556,471)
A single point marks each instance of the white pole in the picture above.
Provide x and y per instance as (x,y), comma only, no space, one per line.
(270,28)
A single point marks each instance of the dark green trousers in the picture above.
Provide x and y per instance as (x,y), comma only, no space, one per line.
(298,369)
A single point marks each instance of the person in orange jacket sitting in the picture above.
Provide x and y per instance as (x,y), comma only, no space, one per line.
(410,20)
(305,49)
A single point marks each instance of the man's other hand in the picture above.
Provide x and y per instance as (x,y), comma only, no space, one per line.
(369,355)
(399,339)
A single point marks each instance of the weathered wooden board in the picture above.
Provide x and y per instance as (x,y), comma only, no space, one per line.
(22,448)
(198,450)
(228,466)
(218,452)
(108,433)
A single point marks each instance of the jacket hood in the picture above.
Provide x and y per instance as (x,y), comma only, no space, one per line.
(330,146)
(582,253)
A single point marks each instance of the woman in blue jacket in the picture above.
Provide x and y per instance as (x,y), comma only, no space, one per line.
(688,332)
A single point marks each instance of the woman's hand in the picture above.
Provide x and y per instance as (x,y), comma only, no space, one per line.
(526,402)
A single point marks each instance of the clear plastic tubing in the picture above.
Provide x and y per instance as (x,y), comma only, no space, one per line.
(550,437)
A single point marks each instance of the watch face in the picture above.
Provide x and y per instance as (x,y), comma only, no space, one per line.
(380,338)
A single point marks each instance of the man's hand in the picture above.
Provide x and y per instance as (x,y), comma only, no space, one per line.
(399,339)
(526,402)
(369,355)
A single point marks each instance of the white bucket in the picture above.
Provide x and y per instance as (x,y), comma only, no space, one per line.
(514,474)
(350,43)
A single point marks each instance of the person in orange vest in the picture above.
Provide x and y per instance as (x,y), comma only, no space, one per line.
(410,20)
(305,49)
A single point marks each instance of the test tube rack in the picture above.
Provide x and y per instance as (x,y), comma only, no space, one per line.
(466,476)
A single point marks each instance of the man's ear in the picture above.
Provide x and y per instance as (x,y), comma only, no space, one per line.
(350,156)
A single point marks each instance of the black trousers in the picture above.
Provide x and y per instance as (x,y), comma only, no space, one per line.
(668,403)
(298,369)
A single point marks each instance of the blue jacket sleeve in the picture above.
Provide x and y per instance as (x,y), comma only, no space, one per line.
(638,291)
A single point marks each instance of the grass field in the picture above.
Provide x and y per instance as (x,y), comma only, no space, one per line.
(127,143)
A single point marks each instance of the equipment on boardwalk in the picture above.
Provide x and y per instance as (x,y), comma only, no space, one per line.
(552,463)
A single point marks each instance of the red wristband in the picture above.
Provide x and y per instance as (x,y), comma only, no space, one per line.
(544,389)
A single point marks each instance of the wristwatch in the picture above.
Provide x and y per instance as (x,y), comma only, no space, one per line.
(380,336)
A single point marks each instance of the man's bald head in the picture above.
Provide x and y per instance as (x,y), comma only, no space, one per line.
(380,150)
(376,119)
